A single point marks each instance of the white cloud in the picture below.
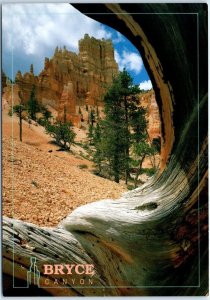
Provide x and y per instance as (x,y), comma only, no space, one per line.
(117,57)
(145,85)
(129,60)
(37,28)
(119,38)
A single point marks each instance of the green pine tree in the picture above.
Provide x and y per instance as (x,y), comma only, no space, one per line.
(129,98)
(92,117)
(19,109)
(97,112)
(98,156)
(47,115)
(138,124)
(62,133)
(112,143)
(33,106)
(124,125)
(90,134)
(140,151)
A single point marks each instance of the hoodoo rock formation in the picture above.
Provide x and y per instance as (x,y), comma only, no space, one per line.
(69,81)
(89,73)
(67,106)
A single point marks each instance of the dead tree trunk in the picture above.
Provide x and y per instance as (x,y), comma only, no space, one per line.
(147,239)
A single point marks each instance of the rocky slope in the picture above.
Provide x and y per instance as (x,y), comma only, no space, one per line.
(42,185)
(43,188)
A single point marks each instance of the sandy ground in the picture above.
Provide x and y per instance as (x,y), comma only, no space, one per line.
(35,135)
(43,187)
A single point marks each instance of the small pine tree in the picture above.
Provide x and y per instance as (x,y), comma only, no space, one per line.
(33,106)
(86,107)
(140,151)
(19,109)
(92,117)
(62,133)
(128,94)
(112,141)
(91,134)
(138,123)
(64,115)
(124,125)
(46,114)
(98,155)
(156,142)
(97,112)
(32,69)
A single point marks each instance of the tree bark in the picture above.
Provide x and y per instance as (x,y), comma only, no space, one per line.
(127,173)
(20,120)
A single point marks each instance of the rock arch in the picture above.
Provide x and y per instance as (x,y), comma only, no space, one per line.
(153,241)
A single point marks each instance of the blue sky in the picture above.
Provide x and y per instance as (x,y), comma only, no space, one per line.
(32,31)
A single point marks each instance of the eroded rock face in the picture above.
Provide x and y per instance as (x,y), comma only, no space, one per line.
(90,73)
(67,106)
(11,97)
(4,80)
(147,100)
(69,81)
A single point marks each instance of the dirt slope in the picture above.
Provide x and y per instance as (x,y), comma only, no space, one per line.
(44,187)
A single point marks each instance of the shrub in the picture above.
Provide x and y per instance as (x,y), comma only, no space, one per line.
(10,113)
(41,121)
(62,133)
(83,166)
(150,171)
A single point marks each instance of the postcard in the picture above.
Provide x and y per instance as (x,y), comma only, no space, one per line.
(104,149)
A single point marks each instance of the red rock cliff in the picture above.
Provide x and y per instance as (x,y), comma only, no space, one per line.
(148,101)
(89,73)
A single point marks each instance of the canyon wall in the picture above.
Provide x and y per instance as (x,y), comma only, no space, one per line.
(148,101)
(89,73)
(70,81)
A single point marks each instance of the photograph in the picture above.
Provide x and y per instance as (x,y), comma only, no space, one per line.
(104,122)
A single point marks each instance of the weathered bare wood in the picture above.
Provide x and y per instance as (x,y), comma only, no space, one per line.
(131,242)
